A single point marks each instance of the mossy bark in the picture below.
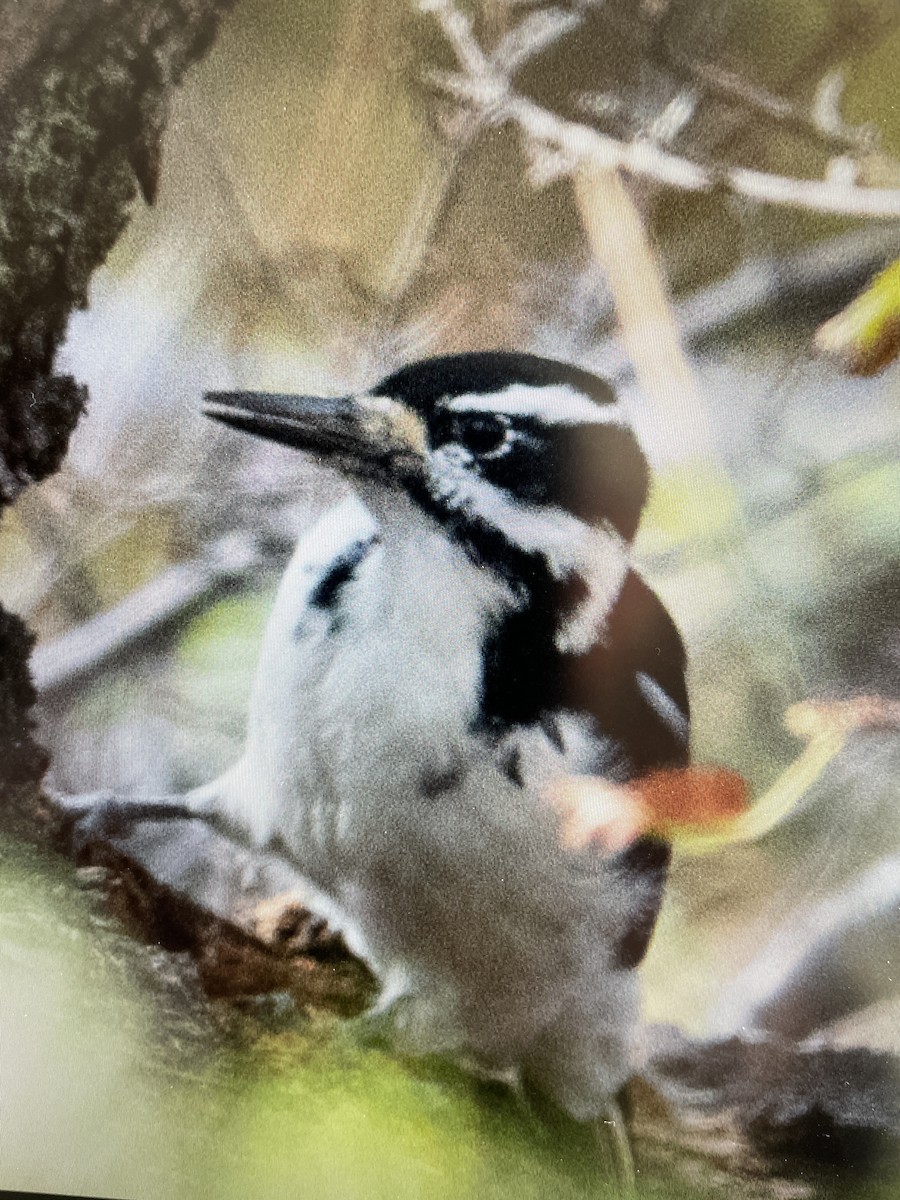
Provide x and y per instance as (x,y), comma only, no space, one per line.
(84,88)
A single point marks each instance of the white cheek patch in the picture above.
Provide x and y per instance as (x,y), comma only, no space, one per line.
(561,404)
(569,546)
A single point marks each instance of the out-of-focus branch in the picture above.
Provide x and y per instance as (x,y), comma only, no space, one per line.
(822,126)
(481,86)
(169,596)
(825,726)
(732,89)
(645,317)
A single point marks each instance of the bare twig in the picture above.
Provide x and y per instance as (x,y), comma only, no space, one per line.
(481,86)
(845,33)
(531,36)
(832,135)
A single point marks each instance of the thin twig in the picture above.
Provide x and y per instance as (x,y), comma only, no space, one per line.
(732,89)
(481,86)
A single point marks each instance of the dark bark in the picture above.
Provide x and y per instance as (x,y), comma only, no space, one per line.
(84,87)
(244,916)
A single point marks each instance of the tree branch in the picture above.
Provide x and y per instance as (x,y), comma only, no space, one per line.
(178,590)
(482,87)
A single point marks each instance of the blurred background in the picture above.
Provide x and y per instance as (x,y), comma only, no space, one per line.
(337,197)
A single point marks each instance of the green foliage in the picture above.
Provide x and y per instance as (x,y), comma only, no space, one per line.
(226,636)
(76,1044)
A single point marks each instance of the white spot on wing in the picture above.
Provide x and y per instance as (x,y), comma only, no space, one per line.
(663,704)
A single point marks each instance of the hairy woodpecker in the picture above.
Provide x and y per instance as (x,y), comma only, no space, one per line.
(443,644)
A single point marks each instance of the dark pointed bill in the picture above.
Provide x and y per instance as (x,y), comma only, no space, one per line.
(365,435)
(305,422)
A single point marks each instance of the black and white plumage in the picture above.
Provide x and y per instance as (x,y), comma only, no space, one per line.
(443,645)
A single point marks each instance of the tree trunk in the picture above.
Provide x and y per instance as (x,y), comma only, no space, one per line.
(84,89)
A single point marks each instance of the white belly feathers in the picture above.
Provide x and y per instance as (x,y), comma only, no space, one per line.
(362,766)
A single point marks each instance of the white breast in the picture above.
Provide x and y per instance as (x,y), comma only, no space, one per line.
(502,940)
(352,706)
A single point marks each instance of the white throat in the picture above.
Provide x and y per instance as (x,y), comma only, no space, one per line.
(600,556)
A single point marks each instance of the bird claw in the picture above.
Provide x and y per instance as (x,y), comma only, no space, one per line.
(82,818)
(108,818)
(103,817)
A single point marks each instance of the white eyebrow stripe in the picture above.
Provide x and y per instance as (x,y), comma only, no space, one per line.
(562,403)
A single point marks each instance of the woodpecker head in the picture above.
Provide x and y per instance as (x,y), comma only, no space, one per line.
(517,457)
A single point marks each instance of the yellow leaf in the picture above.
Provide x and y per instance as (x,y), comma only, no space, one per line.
(865,336)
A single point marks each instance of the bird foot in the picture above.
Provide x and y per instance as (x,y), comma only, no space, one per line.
(288,926)
(101,817)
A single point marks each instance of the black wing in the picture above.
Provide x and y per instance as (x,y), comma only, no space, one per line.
(634,685)
(633,681)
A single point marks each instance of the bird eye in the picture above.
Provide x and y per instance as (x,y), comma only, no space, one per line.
(482,434)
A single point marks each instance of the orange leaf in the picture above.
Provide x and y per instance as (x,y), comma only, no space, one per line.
(691,796)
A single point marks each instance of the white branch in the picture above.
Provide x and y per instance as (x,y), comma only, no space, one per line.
(531,36)
(457,29)
(487,90)
(819,194)
(583,145)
